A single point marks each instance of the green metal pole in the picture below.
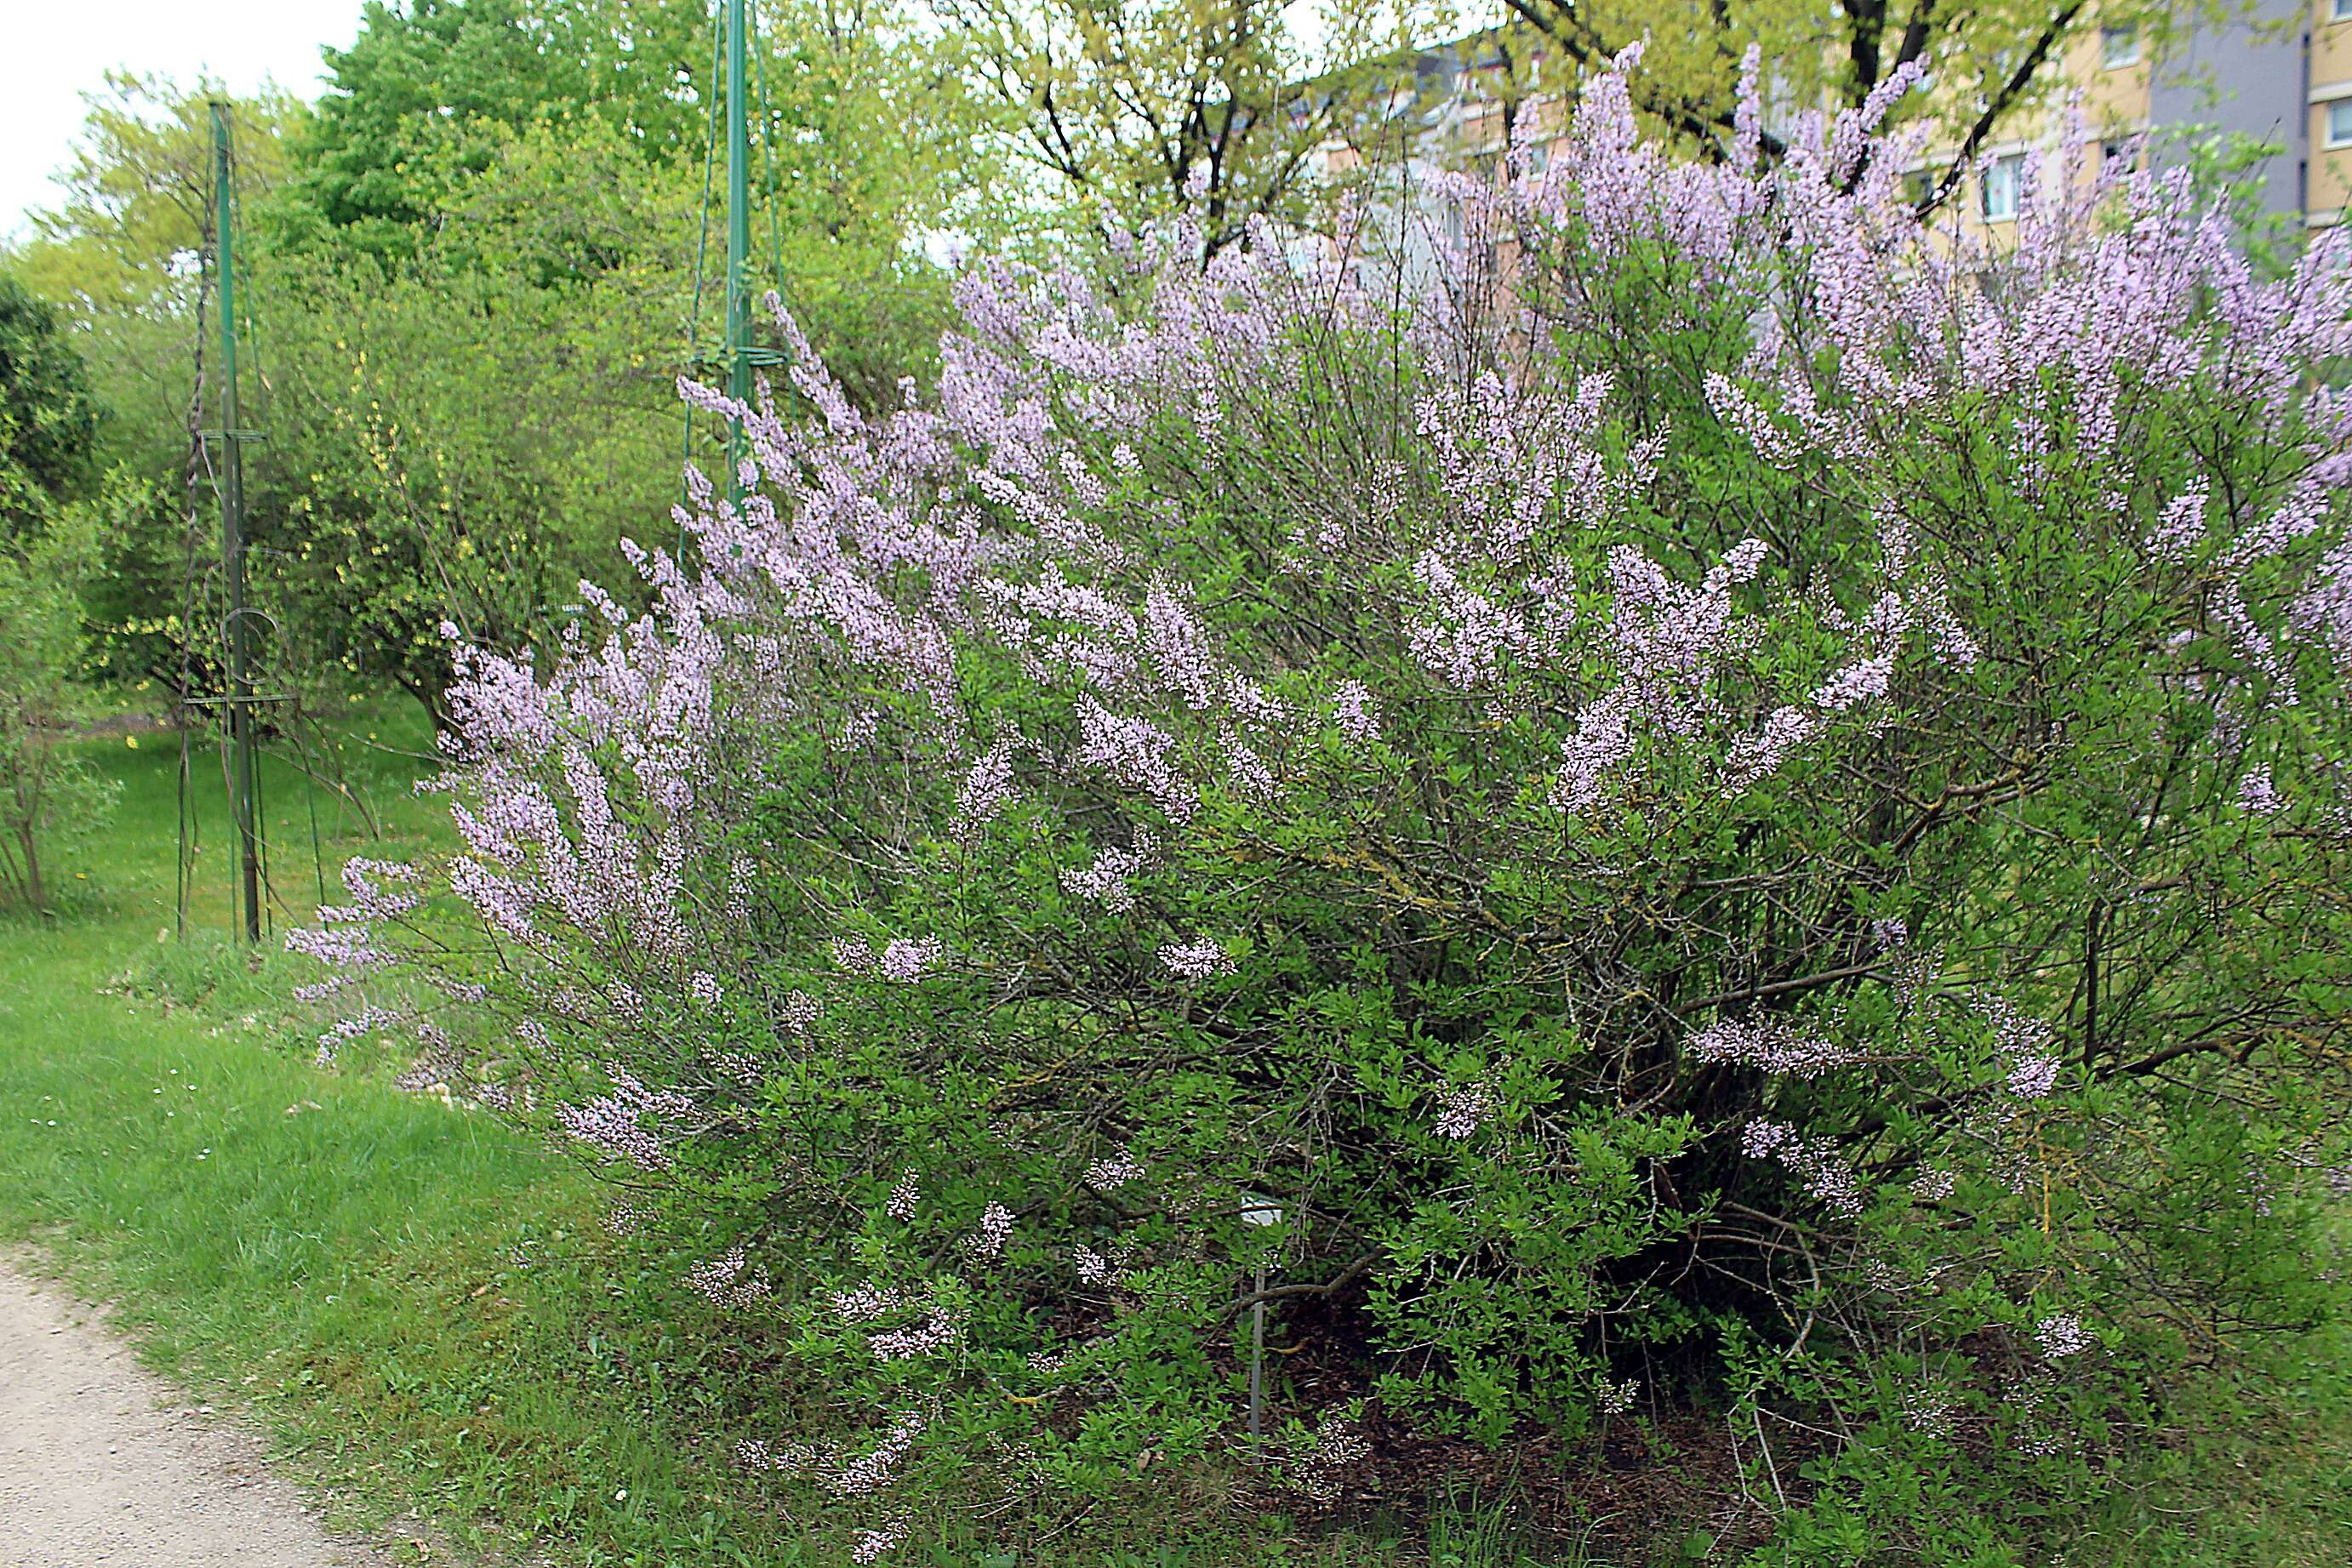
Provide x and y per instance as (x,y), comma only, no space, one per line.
(232,495)
(739,231)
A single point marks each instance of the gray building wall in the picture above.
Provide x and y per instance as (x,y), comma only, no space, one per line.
(2228,79)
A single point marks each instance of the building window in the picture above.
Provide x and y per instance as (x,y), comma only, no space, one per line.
(2339,10)
(2119,47)
(2115,159)
(2339,123)
(2003,178)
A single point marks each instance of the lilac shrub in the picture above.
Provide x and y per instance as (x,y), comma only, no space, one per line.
(1738,801)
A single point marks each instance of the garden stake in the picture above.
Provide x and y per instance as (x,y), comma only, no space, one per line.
(1257,1211)
(242,772)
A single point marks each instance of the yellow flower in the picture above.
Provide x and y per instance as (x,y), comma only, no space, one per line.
(131,741)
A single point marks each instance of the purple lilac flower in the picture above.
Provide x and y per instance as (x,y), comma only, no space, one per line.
(2257,796)
(906,1196)
(1196,961)
(987,789)
(938,1332)
(728,1282)
(1773,1044)
(1933,1186)
(2061,1334)
(1463,1110)
(1815,1162)
(1113,1172)
(1107,880)
(996,1229)
(871,1545)
(870,1473)
(1351,704)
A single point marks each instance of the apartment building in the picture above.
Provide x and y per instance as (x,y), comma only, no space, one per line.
(2281,77)
(2325,170)
(2265,79)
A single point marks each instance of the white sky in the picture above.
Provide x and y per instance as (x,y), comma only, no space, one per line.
(52,51)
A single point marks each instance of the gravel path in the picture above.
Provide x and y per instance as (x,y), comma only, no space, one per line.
(102,1463)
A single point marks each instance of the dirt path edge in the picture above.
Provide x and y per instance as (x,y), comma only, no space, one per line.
(101,1462)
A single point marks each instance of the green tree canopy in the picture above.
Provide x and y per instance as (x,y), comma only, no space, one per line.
(1139,106)
(420,100)
(138,193)
(49,420)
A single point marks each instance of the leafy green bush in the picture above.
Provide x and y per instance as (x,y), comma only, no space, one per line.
(48,421)
(51,796)
(1711,796)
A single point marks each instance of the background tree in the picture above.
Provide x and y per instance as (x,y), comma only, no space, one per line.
(120,257)
(420,471)
(1140,105)
(495,199)
(50,796)
(48,534)
(137,198)
(49,422)
(417,103)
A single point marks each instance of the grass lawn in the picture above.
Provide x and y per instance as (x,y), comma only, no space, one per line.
(423,1308)
(415,1300)
(421,1305)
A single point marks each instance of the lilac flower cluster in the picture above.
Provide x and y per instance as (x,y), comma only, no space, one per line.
(2025,1048)
(906,1196)
(2257,796)
(902,960)
(1772,1043)
(1351,705)
(616,1125)
(729,1282)
(987,789)
(1928,1412)
(994,1230)
(1933,1185)
(356,1026)
(1337,1448)
(2061,1334)
(1196,961)
(939,1330)
(866,1302)
(1107,880)
(1828,1179)
(1113,1172)
(865,1474)
(876,1543)
(758,1454)
(1463,1109)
